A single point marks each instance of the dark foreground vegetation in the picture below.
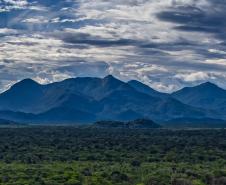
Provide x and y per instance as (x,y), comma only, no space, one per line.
(135,124)
(89,156)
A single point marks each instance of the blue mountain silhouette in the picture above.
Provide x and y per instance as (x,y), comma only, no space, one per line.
(85,100)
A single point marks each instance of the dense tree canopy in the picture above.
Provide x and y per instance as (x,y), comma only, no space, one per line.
(74,156)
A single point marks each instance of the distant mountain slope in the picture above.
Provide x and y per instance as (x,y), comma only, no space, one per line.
(172,108)
(206,96)
(128,115)
(195,123)
(59,115)
(31,97)
(22,96)
(95,88)
(82,100)
(17,116)
(151,107)
(146,89)
(4,122)
(64,115)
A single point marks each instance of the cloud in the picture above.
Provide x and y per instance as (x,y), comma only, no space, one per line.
(197,18)
(8,5)
(194,76)
(36,20)
(166,44)
(6,31)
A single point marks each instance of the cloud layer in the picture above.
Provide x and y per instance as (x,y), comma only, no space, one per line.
(166,44)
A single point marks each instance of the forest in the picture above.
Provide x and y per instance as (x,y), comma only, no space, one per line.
(66,155)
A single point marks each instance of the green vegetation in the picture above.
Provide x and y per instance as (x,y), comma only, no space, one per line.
(89,156)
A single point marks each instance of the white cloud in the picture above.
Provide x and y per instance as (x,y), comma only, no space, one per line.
(194,76)
(7,31)
(36,20)
(19,3)
(8,5)
(217,51)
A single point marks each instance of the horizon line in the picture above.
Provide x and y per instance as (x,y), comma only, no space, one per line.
(109,75)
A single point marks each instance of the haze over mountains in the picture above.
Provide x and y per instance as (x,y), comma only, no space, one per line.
(85,100)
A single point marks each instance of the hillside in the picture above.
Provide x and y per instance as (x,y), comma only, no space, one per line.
(85,100)
(206,95)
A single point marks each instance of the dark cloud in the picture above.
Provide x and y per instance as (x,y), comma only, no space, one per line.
(206,28)
(194,19)
(23,43)
(85,38)
(182,14)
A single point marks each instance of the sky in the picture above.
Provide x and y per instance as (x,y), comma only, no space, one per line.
(166,44)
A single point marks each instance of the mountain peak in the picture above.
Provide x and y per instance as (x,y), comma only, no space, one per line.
(208,84)
(109,77)
(204,87)
(111,80)
(26,83)
(206,95)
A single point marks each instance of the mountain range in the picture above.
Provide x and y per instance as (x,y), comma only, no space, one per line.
(87,99)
